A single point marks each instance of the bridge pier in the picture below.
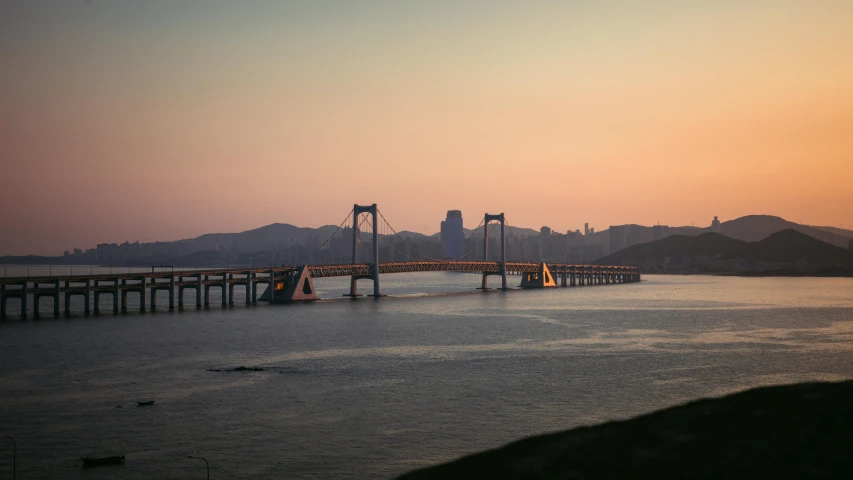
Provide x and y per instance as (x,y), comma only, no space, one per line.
(181,292)
(230,290)
(502,219)
(172,291)
(116,295)
(97,296)
(36,296)
(153,294)
(206,291)
(184,285)
(56,298)
(86,293)
(373,272)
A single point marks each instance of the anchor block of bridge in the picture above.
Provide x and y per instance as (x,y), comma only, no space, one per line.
(539,279)
(298,286)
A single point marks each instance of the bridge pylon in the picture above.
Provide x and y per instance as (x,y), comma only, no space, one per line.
(374,275)
(498,218)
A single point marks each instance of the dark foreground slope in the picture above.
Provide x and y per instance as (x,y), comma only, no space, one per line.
(795,431)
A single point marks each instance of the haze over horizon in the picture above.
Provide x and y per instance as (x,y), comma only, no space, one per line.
(160,120)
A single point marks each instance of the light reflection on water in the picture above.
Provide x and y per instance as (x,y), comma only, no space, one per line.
(372,389)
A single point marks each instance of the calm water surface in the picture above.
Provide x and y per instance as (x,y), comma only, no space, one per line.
(372,389)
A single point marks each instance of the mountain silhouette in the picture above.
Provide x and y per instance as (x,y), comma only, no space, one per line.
(785,246)
(753,228)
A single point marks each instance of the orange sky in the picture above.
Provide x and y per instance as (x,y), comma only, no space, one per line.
(164,120)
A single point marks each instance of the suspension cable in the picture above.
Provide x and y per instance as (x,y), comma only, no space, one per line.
(336,230)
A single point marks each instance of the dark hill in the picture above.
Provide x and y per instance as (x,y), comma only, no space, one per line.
(706,245)
(793,431)
(791,246)
(753,228)
(258,239)
(786,246)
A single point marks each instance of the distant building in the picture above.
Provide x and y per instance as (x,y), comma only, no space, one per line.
(617,237)
(592,231)
(586,229)
(545,231)
(453,235)
(715,225)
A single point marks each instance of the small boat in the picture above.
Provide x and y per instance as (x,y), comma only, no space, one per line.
(98,462)
(145,404)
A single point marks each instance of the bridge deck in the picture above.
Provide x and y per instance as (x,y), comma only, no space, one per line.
(318,271)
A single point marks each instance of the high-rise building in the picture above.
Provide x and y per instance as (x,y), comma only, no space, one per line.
(715,225)
(545,231)
(453,235)
(586,229)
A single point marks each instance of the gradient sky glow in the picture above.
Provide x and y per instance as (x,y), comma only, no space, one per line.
(159,120)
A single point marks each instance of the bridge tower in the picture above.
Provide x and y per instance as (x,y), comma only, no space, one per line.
(358,210)
(498,218)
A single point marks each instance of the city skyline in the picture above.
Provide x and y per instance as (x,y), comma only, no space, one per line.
(160,121)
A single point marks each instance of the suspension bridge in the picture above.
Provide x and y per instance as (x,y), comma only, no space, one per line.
(287,284)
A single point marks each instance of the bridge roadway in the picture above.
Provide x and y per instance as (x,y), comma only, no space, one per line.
(119,285)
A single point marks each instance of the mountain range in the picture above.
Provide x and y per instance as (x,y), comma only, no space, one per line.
(789,250)
(206,248)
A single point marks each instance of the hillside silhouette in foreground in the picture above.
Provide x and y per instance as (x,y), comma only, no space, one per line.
(794,431)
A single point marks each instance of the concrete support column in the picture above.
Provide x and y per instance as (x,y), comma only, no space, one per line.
(254,291)
(24,295)
(153,294)
(225,289)
(142,295)
(67,300)
(35,300)
(56,298)
(172,291)
(206,291)
(230,290)
(272,286)
(116,295)
(97,298)
(181,293)
(87,290)
(124,297)
(3,301)
(249,293)
(198,292)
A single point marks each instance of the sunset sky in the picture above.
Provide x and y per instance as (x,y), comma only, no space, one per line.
(150,120)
